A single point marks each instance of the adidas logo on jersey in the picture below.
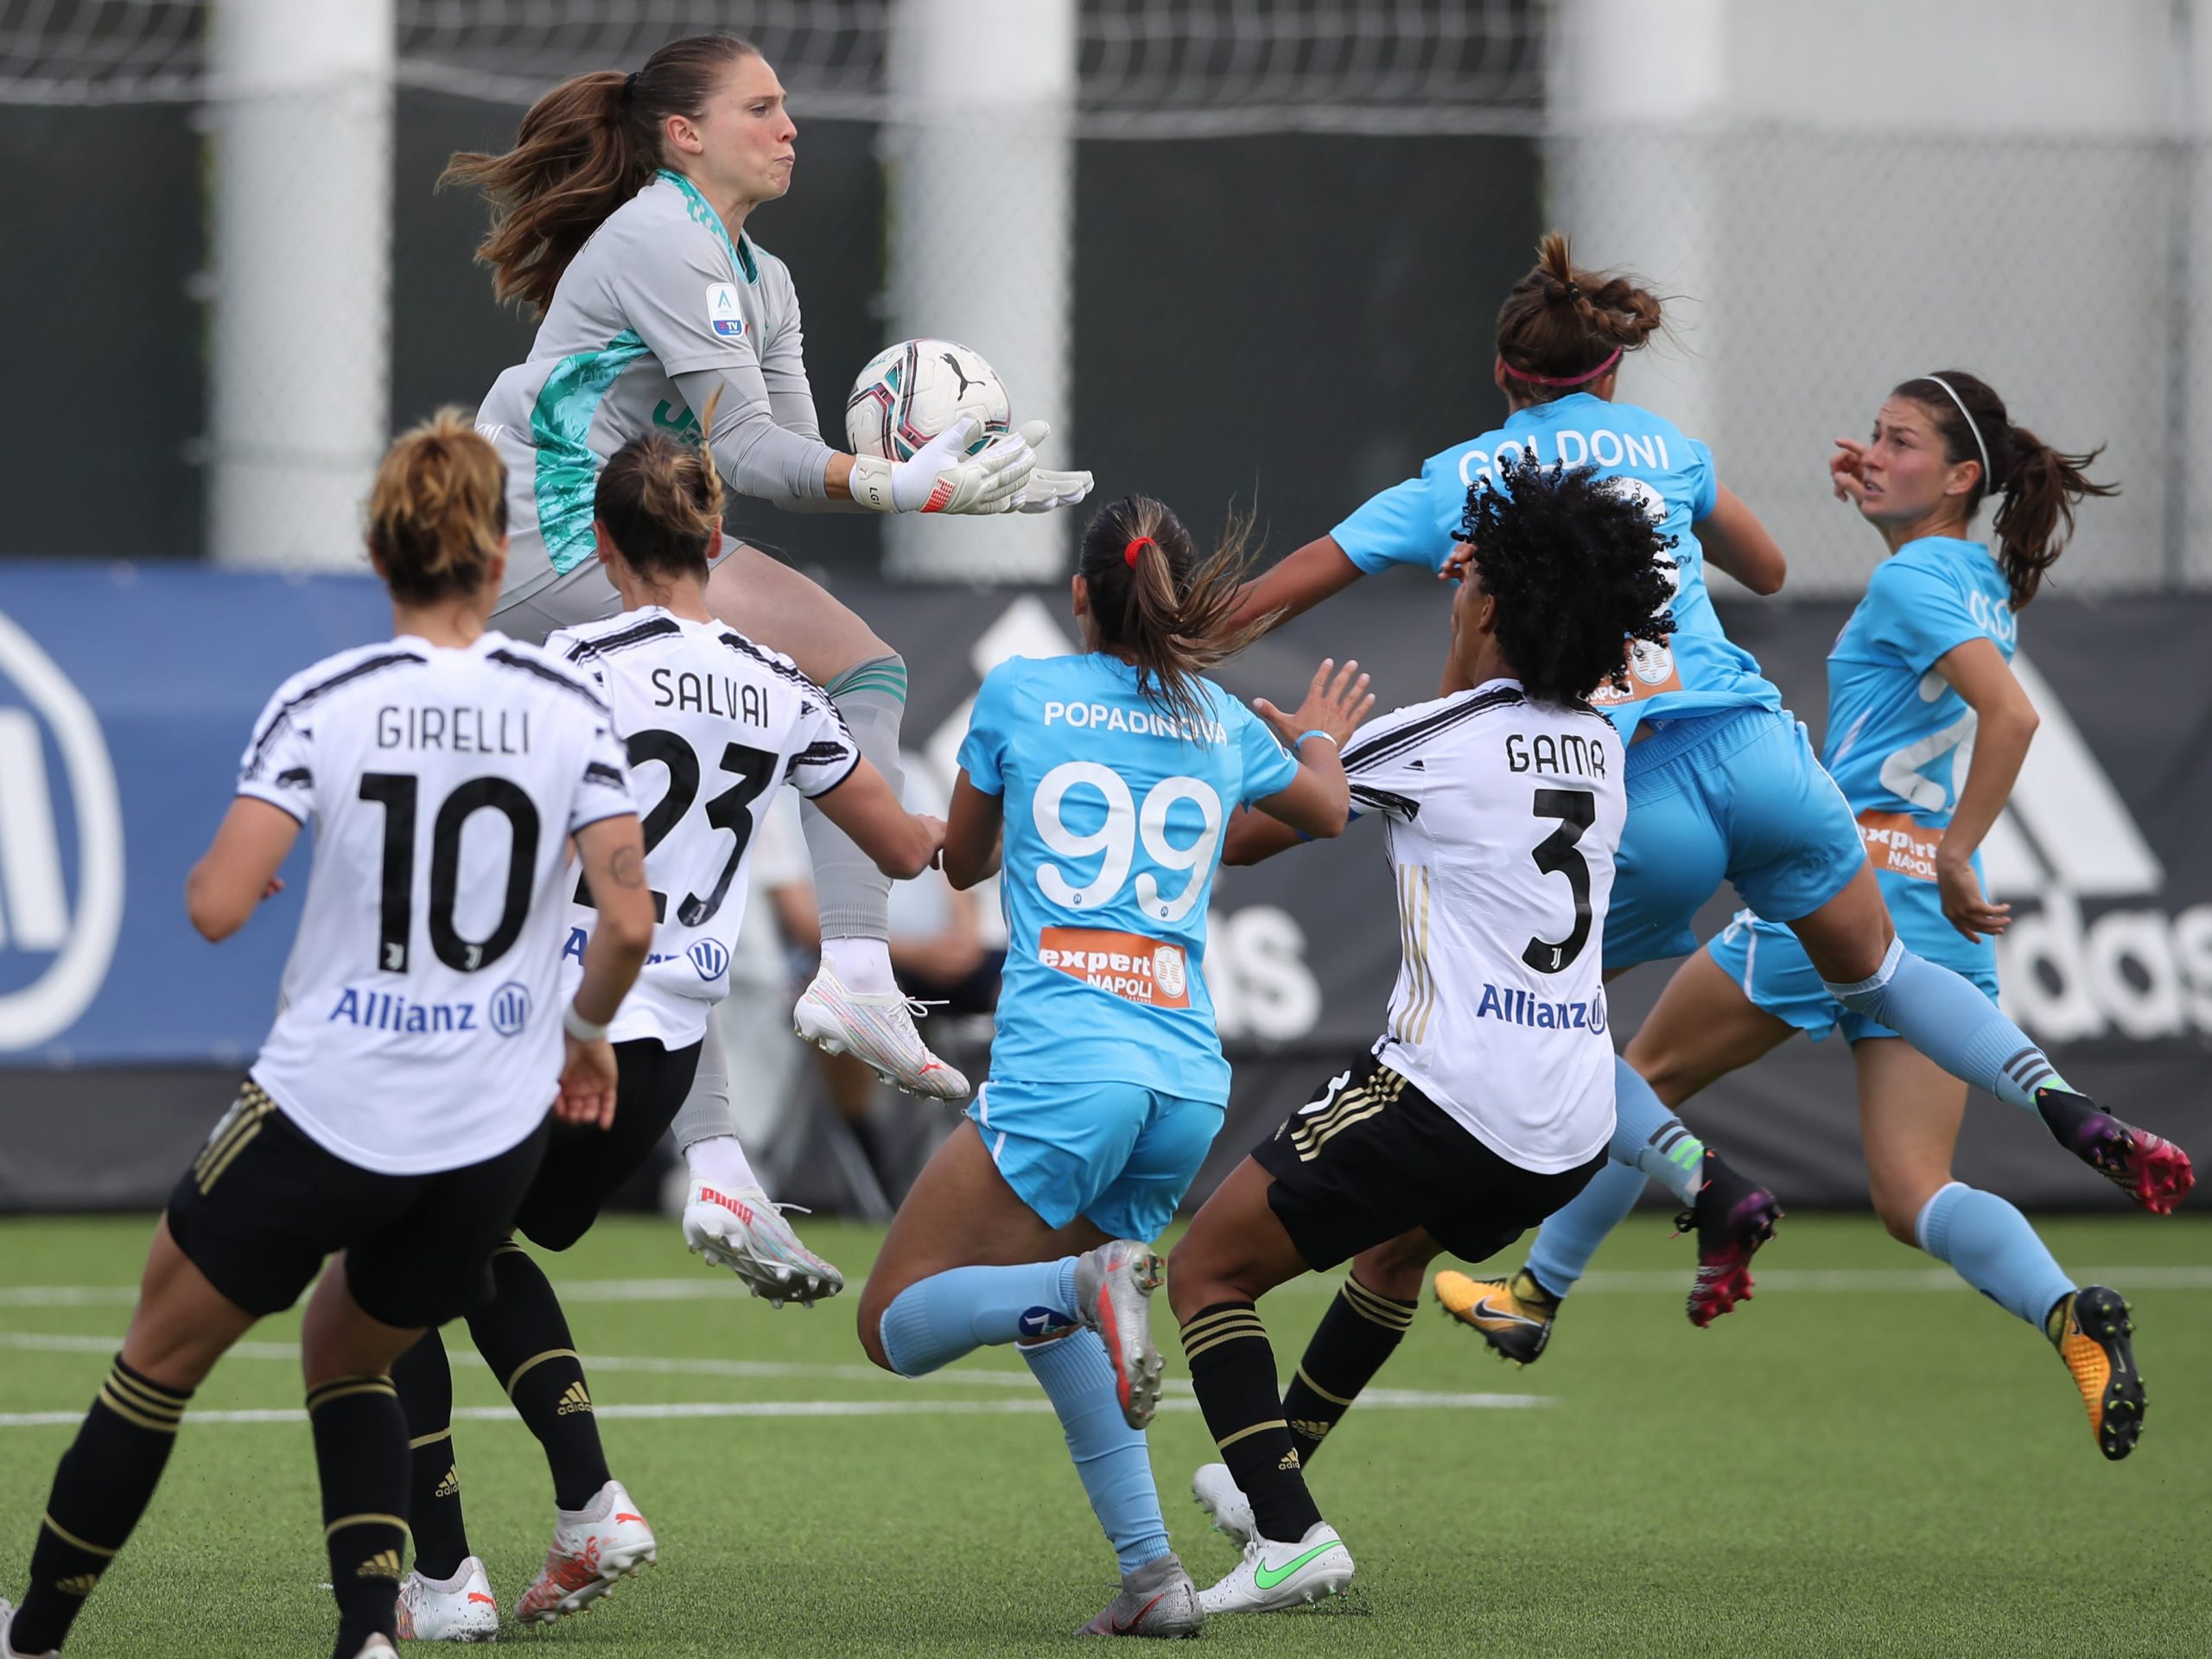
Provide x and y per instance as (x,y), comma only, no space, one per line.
(385,1564)
(449,1487)
(573,1398)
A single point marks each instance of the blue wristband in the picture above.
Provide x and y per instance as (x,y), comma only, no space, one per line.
(1316,731)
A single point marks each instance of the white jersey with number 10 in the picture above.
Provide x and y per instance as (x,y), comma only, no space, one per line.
(713,725)
(420,1024)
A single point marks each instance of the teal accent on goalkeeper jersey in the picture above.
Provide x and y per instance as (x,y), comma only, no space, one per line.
(702,212)
(560,427)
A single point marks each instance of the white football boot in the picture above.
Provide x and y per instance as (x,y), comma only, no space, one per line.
(743,1231)
(878,1028)
(7,1649)
(592,1547)
(1113,1296)
(458,1609)
(1224,1503)
(1273,1576)
(377,1647)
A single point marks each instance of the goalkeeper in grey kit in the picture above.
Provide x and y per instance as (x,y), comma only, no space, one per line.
(619,216)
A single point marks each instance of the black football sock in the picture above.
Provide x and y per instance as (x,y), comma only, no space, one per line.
(424,1380)
(524,1338)
(105,1482)
(1233,1370)
(360,1452)
(1359,1332)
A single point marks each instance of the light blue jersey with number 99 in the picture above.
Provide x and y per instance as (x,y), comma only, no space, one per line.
(1115,816)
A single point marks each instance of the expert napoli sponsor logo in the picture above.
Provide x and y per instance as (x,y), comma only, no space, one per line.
(61,849)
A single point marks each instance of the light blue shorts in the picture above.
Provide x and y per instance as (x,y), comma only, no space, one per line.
(1738,796)
(1765,959)
(1119,1154)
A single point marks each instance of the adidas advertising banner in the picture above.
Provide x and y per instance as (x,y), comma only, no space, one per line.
(126,698)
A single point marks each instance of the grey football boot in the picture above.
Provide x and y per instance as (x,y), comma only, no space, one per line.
(1158,1599)
(1113,1295)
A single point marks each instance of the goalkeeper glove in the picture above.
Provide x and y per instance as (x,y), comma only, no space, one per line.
(943,478)
(1045,489)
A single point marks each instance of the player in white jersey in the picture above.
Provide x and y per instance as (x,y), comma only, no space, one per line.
(714,726)
(620,218)
(399,1107)
(1488,1102)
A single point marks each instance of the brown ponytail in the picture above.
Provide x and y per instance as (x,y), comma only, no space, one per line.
(661,501)
(1159,607)
(585,149)
(1561,327)
(2039,485)
(438,512)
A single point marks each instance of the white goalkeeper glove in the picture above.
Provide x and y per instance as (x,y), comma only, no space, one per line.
(943,477)
(1047,489)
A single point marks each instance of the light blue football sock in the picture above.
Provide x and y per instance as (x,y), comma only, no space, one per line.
(1651,1138)
(935,1320)
(1993,1249)
(1109,1455)
(1569,1238)
(1948,1018)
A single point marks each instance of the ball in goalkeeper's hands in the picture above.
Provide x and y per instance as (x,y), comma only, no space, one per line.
(912,392)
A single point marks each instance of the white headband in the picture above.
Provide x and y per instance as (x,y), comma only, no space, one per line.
(1988,479)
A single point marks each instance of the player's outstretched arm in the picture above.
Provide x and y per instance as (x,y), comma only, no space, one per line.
(238,869)
(1299,583)
(613,853)
(943,477)
(1253,837)
(902,843)
(1735,541)
(973,837)
(2006,725)
(1319,800)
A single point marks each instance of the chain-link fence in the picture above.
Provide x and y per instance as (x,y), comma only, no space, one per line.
(1292,222)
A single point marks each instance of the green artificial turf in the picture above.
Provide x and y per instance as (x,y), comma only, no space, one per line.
(1854,1463)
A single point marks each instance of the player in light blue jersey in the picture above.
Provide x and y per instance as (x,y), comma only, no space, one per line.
(1927,729)
(1722,782)
(1108,778)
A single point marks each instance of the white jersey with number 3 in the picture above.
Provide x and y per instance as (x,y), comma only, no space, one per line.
(1504,815)
(420,1024)
(713,725)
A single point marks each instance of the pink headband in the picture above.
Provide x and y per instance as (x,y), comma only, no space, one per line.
(1613,357)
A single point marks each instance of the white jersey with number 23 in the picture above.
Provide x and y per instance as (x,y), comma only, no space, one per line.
(713,725)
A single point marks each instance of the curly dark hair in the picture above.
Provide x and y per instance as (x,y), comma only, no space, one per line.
(1578,568)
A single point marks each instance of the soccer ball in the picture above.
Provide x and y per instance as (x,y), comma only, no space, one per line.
(910,392)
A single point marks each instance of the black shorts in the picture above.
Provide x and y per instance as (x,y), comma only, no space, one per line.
(263,1206)
(584,1167)
(1376,1158)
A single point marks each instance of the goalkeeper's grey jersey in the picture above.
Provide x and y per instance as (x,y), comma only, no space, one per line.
(660,290)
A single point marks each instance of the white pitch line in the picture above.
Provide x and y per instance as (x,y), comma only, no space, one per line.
(1670,1281)
(1795,1281)
(1404,1399)
(1383,1399)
